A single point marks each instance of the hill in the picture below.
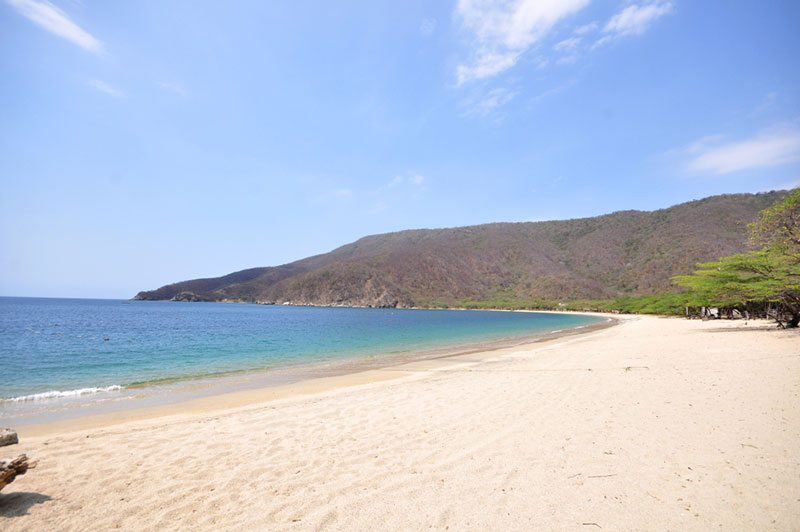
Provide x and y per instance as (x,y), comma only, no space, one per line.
(623,253)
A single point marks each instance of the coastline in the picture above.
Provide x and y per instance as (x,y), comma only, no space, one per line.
(219,349)
(653,424)
(241,389)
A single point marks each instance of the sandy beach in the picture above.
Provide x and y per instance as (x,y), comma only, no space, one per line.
(653,424)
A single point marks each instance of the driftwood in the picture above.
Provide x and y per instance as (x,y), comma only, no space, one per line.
(10,468)
(8,437)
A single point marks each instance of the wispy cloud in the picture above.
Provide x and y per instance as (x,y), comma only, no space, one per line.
(549,93)
(410,179)
(488,64)
(172,87)
(586,28)
(567,59)
(402,188)
(427,26)
(102,86)
(767,149)
(567,45)
(378,207)
(569,50)
(633,20)
(56,22)
(704,144)
(337,196)
(497,97)
(490,102)
(502,30)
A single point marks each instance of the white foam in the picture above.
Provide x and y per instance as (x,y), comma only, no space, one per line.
(55,394)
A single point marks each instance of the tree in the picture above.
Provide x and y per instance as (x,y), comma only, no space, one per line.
(770,274)
(778,227)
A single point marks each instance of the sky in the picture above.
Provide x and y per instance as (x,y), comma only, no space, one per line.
(148,142)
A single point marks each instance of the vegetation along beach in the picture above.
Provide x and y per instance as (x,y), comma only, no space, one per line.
(458,266)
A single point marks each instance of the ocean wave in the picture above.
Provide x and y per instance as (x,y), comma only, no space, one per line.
(55,394)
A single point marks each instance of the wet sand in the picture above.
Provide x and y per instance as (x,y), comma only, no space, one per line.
(245,387)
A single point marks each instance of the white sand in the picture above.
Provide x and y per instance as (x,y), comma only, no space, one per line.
(655,424)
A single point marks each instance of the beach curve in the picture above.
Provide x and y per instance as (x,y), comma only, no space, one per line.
(656,424)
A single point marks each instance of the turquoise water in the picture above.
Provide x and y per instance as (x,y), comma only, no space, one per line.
(63,347)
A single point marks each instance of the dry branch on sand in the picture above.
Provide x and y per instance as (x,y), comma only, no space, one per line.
(11,467)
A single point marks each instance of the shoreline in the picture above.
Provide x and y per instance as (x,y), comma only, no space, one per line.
(653,424)
(242,361)
(241,389)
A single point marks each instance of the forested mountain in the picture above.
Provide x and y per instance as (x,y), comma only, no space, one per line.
(623,253)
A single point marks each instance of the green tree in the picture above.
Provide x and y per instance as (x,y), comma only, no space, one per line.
(770,274)
(778,227)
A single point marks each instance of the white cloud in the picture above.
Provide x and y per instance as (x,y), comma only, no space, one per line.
(102,86)
(486,66)
(569,49)
(173,87)
(765,150)
(338,196)
(586,28)
(601,41)
(56,22)
(567,45)
(410,179)
(427,26)
(633,20)
(702,143)
(378,208)
(503,30)
(494,99)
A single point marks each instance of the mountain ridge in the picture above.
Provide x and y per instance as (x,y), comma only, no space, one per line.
(627,252)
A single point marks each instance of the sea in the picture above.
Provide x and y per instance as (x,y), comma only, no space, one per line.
(69,357)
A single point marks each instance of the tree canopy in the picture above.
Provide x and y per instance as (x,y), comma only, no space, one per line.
(778,227)
(769,274)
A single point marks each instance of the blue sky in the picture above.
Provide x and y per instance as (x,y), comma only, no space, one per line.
(147,142)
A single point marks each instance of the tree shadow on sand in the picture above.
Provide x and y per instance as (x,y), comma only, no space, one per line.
(744,328)
(18,503)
